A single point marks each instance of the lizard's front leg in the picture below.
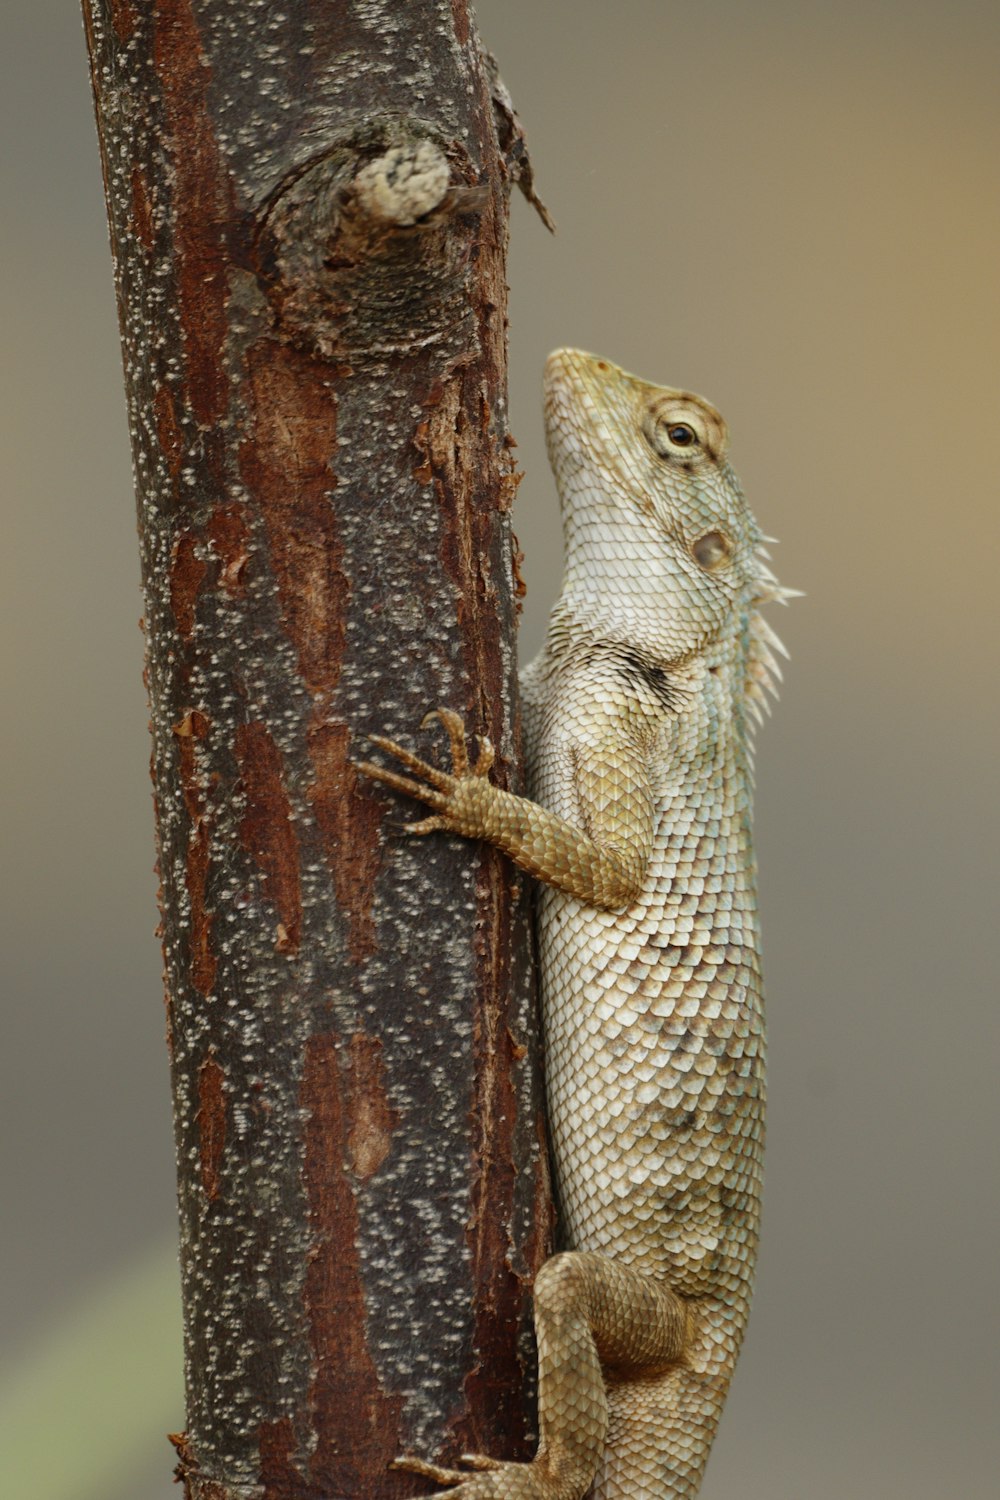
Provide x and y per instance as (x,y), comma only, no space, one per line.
(605,867)
(594,1319)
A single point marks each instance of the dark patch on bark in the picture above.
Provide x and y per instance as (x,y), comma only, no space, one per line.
(348,818)
(266,830)
(211,1123)
(357,1423)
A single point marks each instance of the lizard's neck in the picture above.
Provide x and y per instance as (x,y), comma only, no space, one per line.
(580,625)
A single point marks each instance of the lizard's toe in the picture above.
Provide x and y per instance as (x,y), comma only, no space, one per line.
(493,1479)
(440,1475)
(454,728)
(486,756)
(431,774)
(481,1461)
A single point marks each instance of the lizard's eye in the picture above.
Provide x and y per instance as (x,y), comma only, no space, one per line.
(670,438)
(712,551)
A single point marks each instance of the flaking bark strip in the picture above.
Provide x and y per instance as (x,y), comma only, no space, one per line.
(356,1419)
(142,210)
(202,201)
(286,460)
(228,543)
(348,822)
(188,731)
(211,1123)
(279,1476)
(187,572)
(167,430)
(267,830)
(373,1118)
(123,18)
(497,1379)
(514,144)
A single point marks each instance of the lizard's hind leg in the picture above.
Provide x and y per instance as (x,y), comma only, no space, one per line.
(652,1452)
(598,1324)
(660,1429)
(595,1321)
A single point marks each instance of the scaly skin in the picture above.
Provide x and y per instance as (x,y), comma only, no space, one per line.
(639,829)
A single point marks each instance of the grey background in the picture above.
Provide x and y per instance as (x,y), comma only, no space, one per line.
(792,208)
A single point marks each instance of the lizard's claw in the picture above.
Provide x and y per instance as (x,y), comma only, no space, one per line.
(401,783)
(455,730)
(481,1461)
(485,757)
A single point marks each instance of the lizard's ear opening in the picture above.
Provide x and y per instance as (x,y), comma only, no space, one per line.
(712,551)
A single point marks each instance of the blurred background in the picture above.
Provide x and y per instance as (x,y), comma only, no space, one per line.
(791,207)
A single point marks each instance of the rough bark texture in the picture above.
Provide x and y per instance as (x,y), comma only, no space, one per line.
(308,209)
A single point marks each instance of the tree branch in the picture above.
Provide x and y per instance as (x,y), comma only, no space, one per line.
(308,209)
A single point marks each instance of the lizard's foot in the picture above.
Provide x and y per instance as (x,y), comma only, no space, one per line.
(493,1479)
(450,794)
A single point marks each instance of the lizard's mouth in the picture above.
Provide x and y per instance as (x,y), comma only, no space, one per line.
(577,390)
(575,369)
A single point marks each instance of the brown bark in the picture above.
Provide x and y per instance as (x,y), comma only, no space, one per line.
(308,208)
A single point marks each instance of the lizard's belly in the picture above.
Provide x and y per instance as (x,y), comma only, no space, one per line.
(655,1074)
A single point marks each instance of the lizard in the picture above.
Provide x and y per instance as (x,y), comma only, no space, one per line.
(639,715)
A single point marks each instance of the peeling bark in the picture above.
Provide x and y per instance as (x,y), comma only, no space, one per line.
(308,210)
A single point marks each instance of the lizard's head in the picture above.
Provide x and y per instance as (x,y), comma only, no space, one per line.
(660,542)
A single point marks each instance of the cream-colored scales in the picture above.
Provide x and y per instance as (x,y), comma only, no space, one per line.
(637,716)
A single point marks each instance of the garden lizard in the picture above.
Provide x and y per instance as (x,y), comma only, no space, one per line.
(639,717)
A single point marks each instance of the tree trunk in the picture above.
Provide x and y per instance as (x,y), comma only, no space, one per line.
(308,207)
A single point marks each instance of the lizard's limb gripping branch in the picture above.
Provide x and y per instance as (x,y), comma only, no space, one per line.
(598,1324)
(600,867)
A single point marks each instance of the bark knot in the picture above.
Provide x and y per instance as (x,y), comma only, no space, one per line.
(368,248)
